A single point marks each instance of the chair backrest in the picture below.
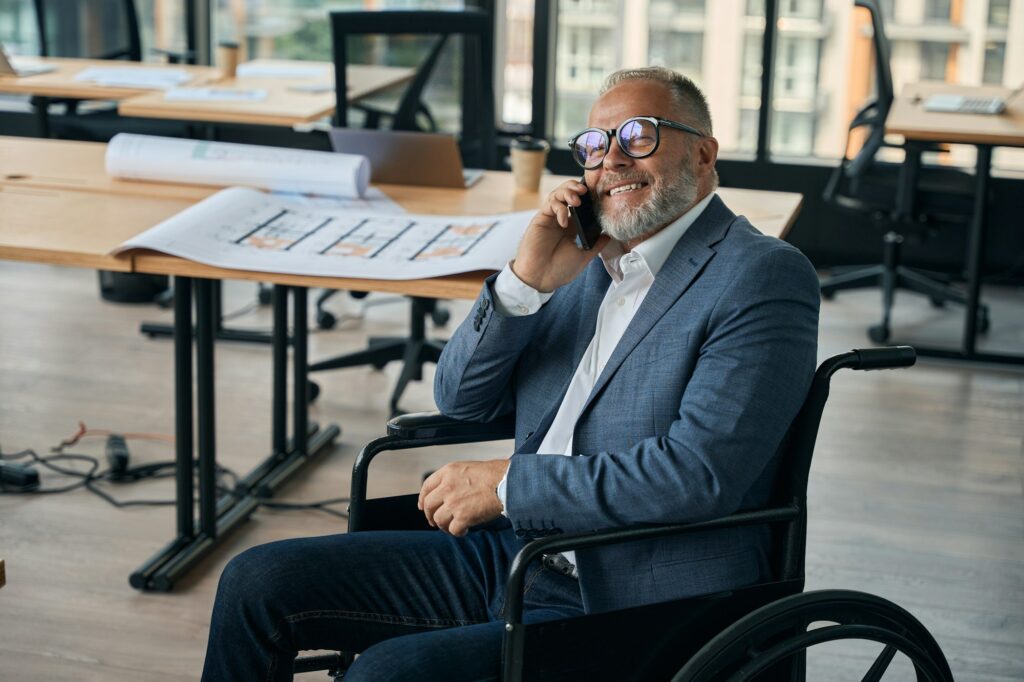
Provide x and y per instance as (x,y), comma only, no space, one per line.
(843,186)
(92,29)
(875,111)
(477,78)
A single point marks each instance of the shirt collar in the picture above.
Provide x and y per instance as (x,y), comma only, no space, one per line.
(654,250)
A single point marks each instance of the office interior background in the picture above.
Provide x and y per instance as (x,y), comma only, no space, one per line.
(918,483)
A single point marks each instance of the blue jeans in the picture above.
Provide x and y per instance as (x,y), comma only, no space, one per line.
(417,605)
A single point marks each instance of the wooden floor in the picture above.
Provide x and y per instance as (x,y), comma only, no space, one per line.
(916,489)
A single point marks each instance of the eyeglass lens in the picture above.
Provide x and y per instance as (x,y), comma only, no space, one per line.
(637,138)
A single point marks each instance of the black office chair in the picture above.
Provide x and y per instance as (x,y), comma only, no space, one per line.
(89,29)
(911,206)
(477,144)
(654,642)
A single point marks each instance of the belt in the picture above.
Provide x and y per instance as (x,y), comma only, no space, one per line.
(559,564)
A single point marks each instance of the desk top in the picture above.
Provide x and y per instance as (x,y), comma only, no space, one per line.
(77,229)
(62,83)
(909,119)
(51,184)
(283,105)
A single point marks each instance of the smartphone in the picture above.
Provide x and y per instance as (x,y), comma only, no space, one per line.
(584,221)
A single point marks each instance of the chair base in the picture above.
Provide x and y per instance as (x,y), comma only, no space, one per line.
(413,351)
(890,276)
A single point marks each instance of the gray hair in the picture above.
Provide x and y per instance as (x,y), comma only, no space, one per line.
(688,97)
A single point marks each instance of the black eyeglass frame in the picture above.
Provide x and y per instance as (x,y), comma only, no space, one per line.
(613,133)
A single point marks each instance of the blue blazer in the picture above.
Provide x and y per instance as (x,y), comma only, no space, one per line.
(682,425)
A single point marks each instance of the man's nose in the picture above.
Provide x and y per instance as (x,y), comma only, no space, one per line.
(615,157)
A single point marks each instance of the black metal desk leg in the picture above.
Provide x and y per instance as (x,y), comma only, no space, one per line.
(300,365)
(142,578)
(279,407)
(976,247)
(183,405)
(206,322)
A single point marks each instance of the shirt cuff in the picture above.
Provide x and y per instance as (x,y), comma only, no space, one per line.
(501,492)
(515,298)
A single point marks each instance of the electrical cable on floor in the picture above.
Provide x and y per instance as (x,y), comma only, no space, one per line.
(19,478)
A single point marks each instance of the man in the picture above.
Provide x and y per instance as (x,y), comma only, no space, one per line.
(670,358)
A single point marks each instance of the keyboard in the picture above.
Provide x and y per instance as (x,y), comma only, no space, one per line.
(960,104)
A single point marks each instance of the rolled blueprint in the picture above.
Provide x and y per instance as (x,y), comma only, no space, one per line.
(198,162)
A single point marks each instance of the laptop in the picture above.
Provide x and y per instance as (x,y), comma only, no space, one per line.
(401,157)
(12,66)
(962,104)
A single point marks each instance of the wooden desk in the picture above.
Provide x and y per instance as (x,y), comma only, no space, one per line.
(283,106)
(909,119)
(77,229)
(62,84)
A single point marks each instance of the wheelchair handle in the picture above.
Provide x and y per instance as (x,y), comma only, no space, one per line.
(889,357)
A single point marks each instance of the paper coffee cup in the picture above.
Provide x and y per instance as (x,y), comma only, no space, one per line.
(227,59)
(529,156)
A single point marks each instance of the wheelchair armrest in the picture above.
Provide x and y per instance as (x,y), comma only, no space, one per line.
(564,543)
(419,430)
(431,425)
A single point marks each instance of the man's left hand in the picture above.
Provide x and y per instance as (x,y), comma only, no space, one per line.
(462,494)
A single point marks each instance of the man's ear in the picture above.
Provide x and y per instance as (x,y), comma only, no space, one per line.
(707,153)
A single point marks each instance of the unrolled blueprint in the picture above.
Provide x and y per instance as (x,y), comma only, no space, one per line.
(245,229)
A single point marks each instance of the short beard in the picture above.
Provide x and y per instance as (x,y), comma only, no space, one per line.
(669,200)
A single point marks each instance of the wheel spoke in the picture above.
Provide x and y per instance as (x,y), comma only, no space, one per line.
(880,665)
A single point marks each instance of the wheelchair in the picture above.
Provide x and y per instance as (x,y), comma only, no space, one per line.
(760,632)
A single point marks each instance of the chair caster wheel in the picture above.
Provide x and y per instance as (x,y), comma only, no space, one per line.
(440,317)
(325,320)
(878,333)
(312,391)
(265,295)
(937,302)
(828,294)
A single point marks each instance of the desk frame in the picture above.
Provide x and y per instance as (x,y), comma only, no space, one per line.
(975,260)
(219,514)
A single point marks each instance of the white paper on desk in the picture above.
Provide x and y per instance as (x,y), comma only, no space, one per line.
(373,201)
(215,95)
(198,162)
(257,70)
(143,77)
(244,229)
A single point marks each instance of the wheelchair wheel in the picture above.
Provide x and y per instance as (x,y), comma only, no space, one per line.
(779,635)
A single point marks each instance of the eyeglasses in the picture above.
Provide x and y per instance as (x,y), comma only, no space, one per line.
(638,137)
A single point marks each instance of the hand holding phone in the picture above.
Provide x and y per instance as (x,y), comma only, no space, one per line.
(584,222)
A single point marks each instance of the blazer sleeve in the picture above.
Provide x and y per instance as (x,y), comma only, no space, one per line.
(751,377)
(475,373)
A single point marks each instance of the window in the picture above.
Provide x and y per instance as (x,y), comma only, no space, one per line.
(995,57)
(999,13)
(695,38)
(18,27)
(934,58)
(938,11)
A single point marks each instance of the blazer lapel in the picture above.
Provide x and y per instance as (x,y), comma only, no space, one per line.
(688,258)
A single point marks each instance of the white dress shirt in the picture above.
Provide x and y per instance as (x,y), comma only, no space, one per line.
(632,274)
